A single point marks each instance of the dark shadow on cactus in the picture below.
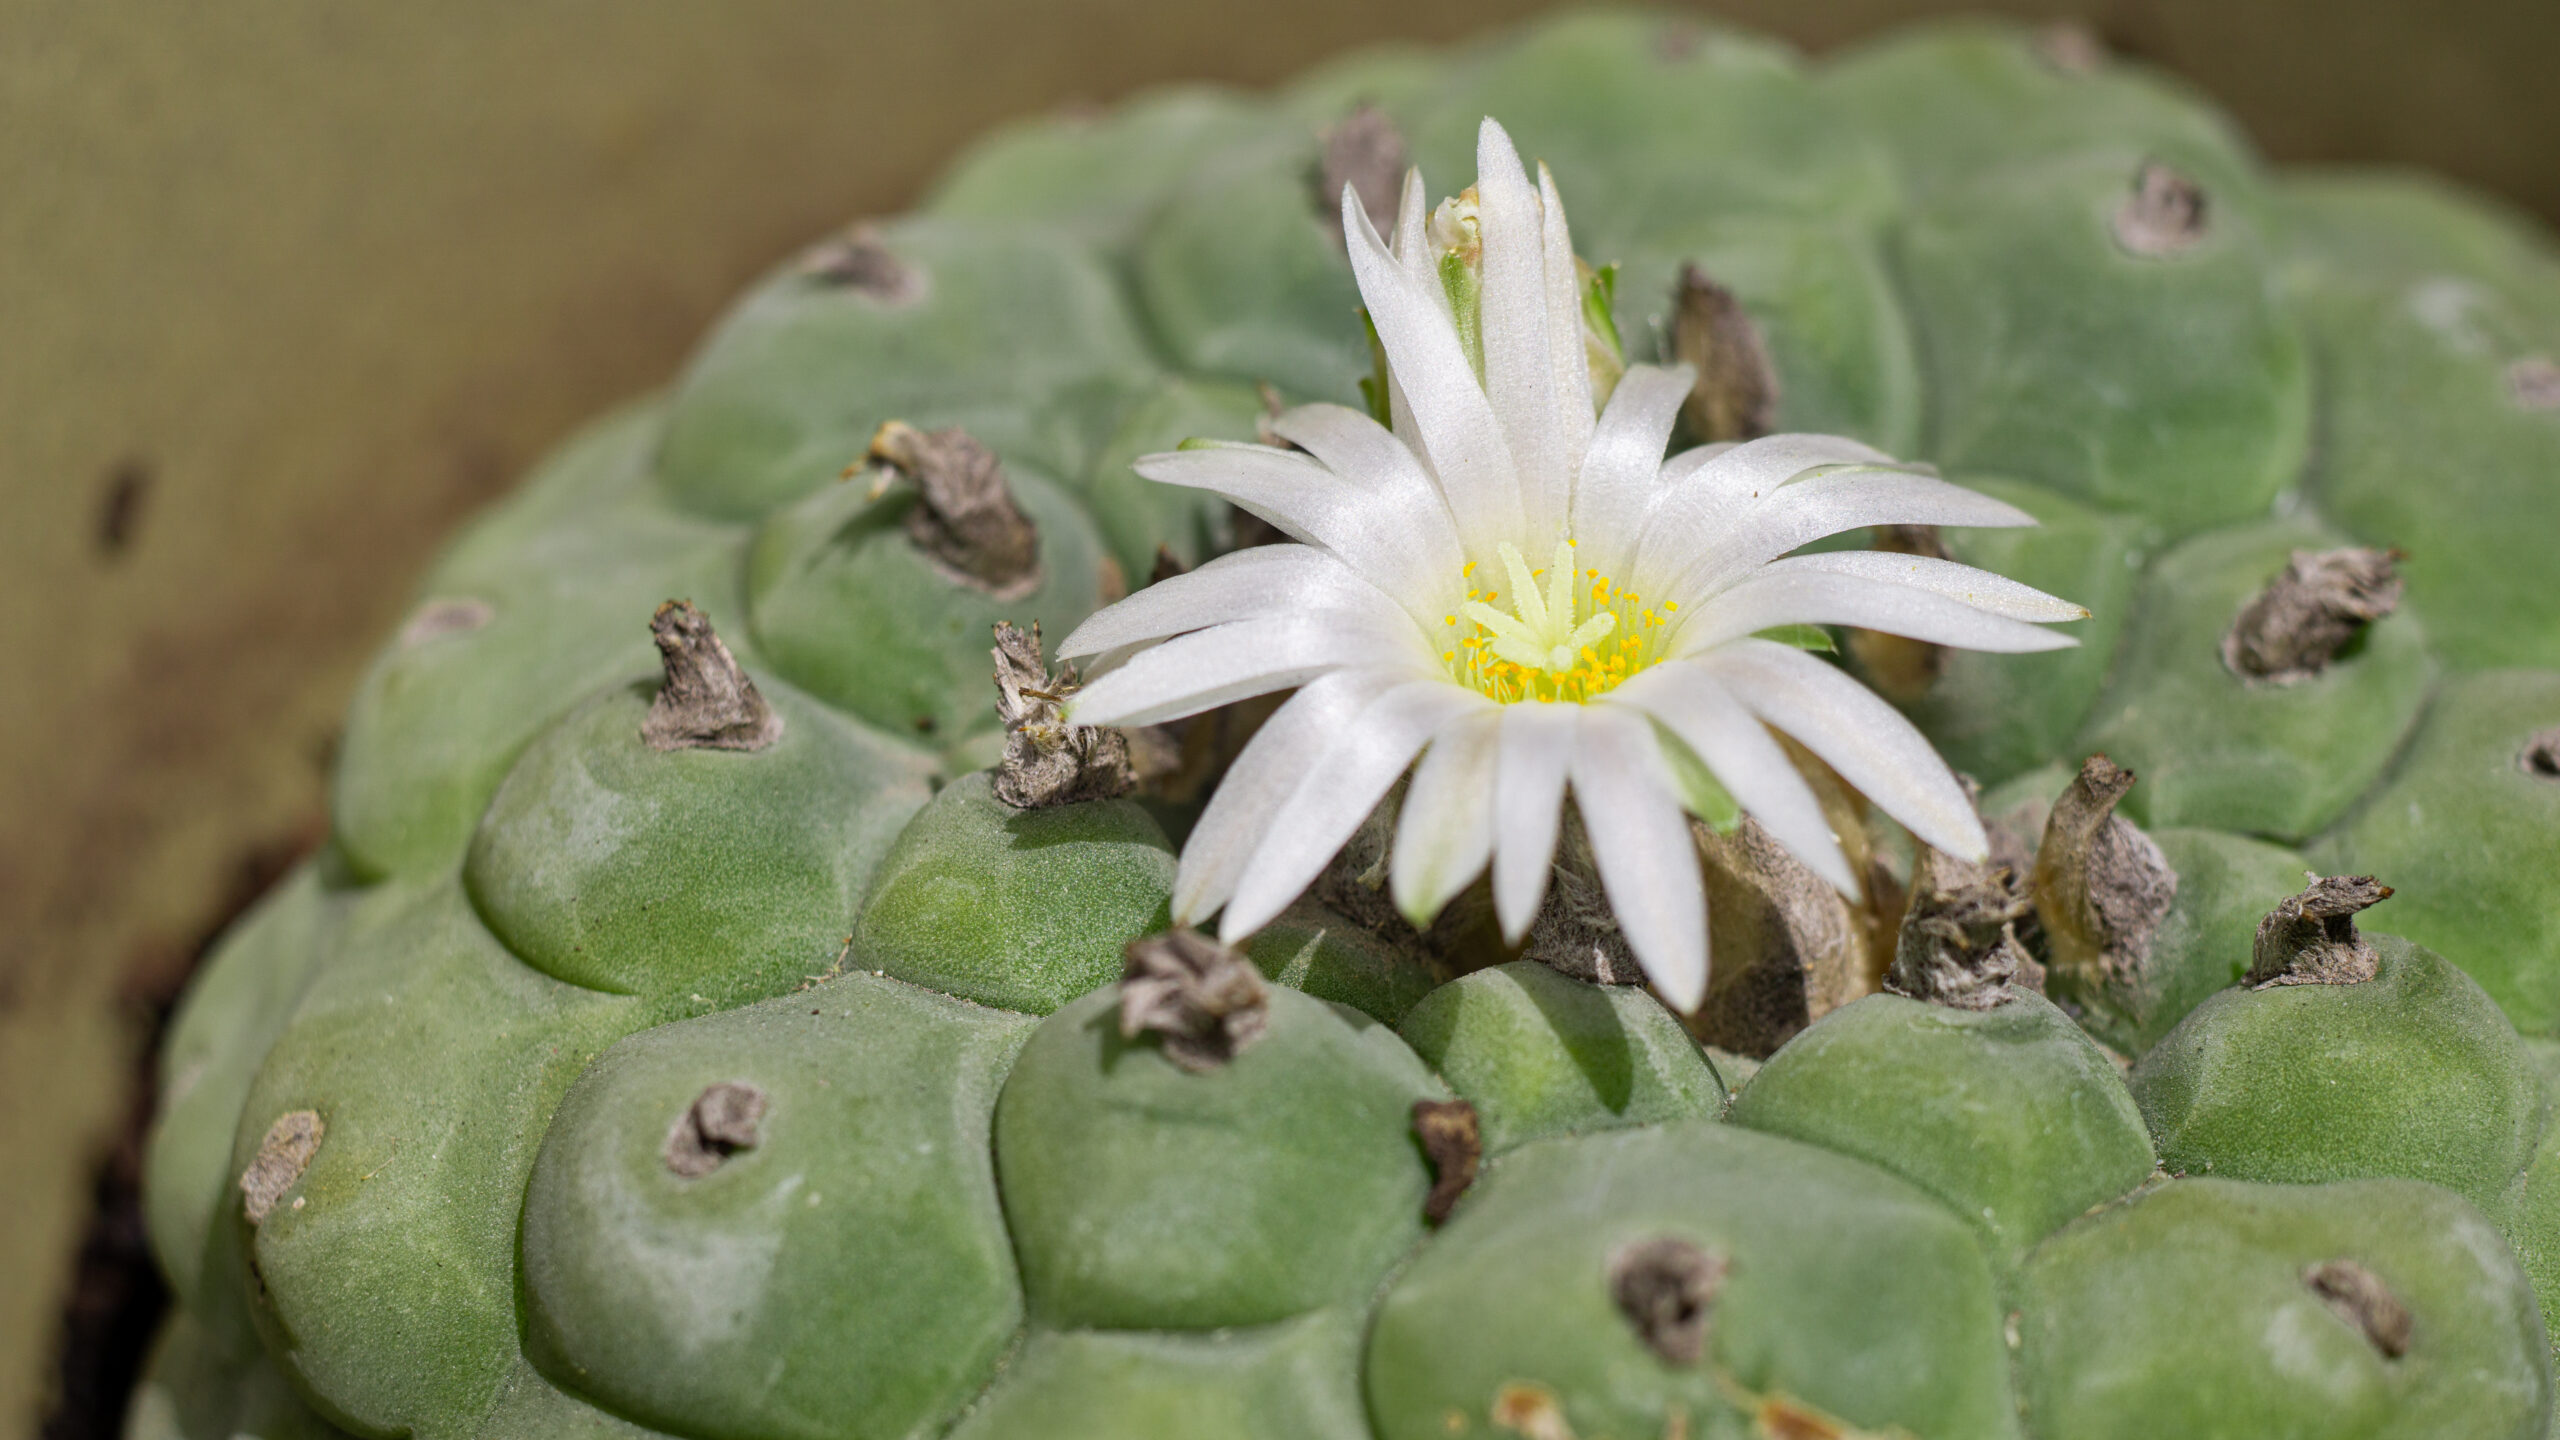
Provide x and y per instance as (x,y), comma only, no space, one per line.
(1586,1024)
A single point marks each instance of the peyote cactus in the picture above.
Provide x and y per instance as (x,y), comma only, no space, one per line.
(783,1033)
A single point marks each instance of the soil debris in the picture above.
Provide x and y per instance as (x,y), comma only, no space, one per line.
(965,516)
(705,702)
(2306,616)
(1453,1141)
(2311,939)
(282,1157)
(2361,1299)
(2165,215)
(1048,760)
(1205,1001)
(723,1120)
(1667,1288)
(1735,396)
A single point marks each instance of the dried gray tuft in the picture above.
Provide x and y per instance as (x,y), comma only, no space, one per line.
(2311,939)
(2164,215)
(1206,1002)
(721,1121)
(1048,760)
(705,702)
(965,517)
(2291,631)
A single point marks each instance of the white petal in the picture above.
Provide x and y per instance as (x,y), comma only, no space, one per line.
(1528,802)
(1460,436)
(1519,371)
(1368,454)
(1857,734)
(1412,240)
(1746,759)
(1260,781)
(1618,478)
(1805,510)
(1702,491)
(1396,539)
(1339,790)
(1776,594)
(1226,663)
(1648,863)
(1565,353)
(1263,580)
(1444,834)
(1981,589)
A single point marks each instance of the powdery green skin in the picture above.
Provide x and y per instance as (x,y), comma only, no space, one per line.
(1294,1380)
(2115,1347)
(847,1275)
(2471,839)
(1921,231)
(968,900)
(2011,1116)
(1143,1196)
(698,877)
(1848,1288)
(2412,1073)
(2419,302)
(1538,1054)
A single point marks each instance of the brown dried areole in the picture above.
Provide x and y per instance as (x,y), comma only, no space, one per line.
(857,261)
(2311,939)
(2295,627)
(2164,215)
(964,517)
(1367,153)
(722,1120)
(1205,1002)
(1959,942)
(704,702)
(2100,886)
(1735,396)
(449,615)
(2534,383)
(1667,1288)
(282,1157)
(2540,757)
(2359,1297)
(1453,1141)
(1047,760)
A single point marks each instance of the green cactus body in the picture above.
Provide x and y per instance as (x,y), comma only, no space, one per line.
(780,1080)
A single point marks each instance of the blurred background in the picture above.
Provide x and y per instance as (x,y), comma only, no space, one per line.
(287,291)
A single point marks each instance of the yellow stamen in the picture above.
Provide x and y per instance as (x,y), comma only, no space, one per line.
(1559,642)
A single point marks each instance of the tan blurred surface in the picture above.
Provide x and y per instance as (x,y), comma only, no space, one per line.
(329,276)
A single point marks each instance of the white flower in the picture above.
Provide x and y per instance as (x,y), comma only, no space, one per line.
(1528,597)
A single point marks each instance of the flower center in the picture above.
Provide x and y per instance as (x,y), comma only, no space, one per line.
(1567,634)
